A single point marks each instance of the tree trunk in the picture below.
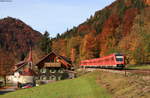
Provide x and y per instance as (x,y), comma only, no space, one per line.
(5,80)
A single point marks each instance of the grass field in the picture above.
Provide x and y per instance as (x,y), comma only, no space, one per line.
(138,67)
(82,87)
(91,85)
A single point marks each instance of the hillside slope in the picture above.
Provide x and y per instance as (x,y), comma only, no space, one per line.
(122,27)
(15,39)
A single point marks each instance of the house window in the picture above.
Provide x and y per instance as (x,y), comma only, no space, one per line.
(43,70)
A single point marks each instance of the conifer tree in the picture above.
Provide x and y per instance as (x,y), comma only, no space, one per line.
(46,43)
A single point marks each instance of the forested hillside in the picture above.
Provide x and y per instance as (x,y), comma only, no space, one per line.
(16,38)
(123,26)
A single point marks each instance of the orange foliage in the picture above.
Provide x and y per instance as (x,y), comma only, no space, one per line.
(89,47)
(72,56)
(109,28)
(86,28)
(6,62)
(128,19)
(128,3)
(60,46)
(147,2)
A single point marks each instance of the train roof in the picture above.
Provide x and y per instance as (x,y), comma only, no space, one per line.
(116,54)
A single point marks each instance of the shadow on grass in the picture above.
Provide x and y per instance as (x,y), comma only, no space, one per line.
(4,92)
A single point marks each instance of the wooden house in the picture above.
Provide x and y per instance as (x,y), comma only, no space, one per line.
(54,67)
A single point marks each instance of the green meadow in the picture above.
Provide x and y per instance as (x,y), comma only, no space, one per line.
(82,87)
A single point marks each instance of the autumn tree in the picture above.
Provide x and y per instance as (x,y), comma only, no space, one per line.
(142,23)
(60,46)
(89,48)
(108,37)
(136,45)
(73,48)
(73,55)
(6,62)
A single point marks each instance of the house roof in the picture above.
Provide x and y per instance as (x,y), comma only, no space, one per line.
(22,65)
(18,65)
(30,72)
(66,60)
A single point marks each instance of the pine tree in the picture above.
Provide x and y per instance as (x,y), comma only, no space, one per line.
(46,43)
(58,36)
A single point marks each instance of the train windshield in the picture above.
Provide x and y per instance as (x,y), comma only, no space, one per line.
(119,58)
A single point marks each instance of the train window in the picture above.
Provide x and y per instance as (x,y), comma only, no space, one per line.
(119,59)
(106,59)
(112,58)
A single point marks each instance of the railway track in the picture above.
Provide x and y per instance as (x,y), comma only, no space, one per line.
(126,71)
(136,71)
(140,71)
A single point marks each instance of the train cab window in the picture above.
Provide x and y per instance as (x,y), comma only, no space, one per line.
(119,58)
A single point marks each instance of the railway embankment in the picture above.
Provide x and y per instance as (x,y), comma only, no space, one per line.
(126,72)
(121,86)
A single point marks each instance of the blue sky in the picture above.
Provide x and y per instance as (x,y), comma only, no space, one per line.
(55,16)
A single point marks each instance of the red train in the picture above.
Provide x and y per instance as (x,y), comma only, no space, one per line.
(115,60)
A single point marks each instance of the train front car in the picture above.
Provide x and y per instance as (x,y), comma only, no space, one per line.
(120,61)
(113,61)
